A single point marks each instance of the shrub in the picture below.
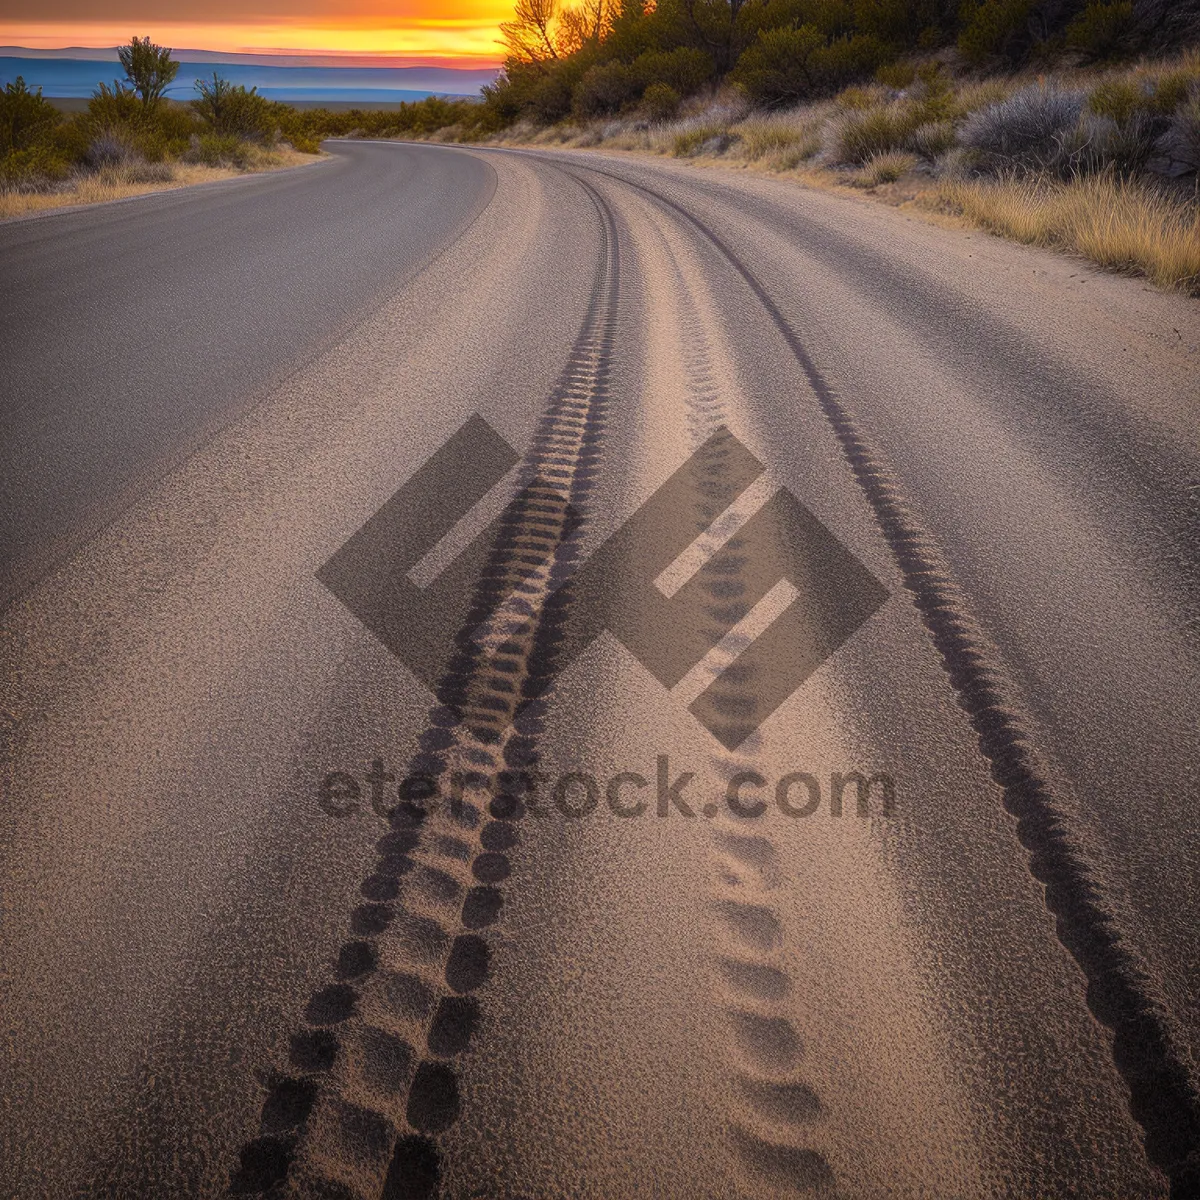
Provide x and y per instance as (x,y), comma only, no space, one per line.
(25,118)
(1117,98)
(995,29)
(785,139)
(660,102)
(776,70)
(1103,29)
(605,89)
(1024,132)
(35,169)
(306,143)
(217,150)
(862,134)
(885,168)
(684,69)
(1099,143)
(114,108)
(108,148)
(1182,138)
(227,109)
(932,139)
(898,75)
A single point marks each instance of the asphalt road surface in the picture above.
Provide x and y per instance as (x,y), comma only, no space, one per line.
(796,488)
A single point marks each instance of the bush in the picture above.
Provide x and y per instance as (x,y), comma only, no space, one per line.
(1099,143)
(898,75)
(227,109)
(776,69)
(885,168)
(1025,132)
(1118,99)
(1103,29)
(931,140)
(107,149)
(995,29)
(1182,138)
(785,139)
(25,118)
(114,108)
(660,102)
(35,169)
(685,70)
(861,134)
(605,89)
(217,150)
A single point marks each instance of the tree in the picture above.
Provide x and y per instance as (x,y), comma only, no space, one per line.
(148,68)
(530,35)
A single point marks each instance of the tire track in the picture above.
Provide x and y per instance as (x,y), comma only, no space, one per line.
(371,1078)
(1163,1097)
(764,1049)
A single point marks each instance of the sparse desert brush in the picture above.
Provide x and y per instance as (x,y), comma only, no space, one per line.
(932,139)
(884,168)
(1024,132)
(710,137)
(860,134)
(783,140)
(1117,223)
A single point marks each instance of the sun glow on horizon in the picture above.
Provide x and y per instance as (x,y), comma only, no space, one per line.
(470,39)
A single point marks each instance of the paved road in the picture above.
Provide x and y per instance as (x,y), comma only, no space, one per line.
(975,467)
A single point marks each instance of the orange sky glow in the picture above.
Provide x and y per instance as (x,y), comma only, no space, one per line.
(449,32)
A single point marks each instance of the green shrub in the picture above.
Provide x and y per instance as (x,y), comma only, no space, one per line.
(114,108)
(862,134)
(1103,29)
(660,102)
(25,118)
(227,109)
(306,143)
(1118,99)
(34,169)
(994,29)
(776,69)
(605,89)
(217,150)
(898,75)
(683,69)
(931,140)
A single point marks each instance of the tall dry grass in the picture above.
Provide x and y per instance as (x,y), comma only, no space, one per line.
(1119,224)
(118,181)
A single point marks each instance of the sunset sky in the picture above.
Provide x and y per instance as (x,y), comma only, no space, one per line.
(455,32)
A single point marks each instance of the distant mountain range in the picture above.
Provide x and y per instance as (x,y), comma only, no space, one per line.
(76,72)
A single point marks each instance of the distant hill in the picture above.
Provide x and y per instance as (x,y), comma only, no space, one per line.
(76,72)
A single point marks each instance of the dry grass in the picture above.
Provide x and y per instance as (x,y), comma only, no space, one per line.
(118,182)
(884,168)
(781,141)
(1120,225)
